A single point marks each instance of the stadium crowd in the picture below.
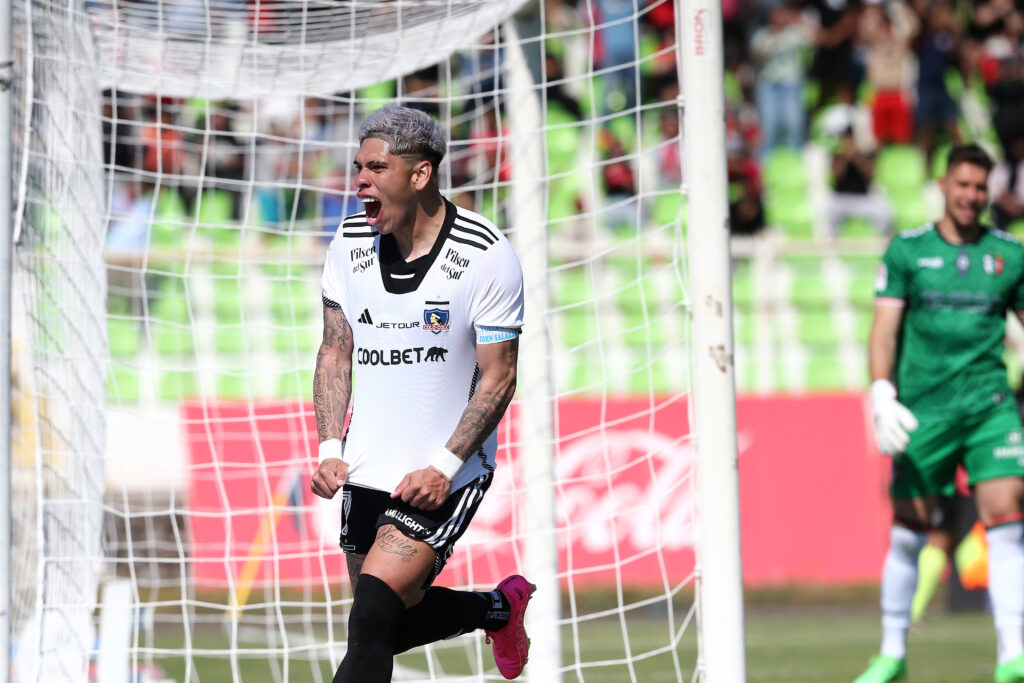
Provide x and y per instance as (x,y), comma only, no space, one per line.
(852,76)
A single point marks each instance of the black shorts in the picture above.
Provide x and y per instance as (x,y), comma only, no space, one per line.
(364,510)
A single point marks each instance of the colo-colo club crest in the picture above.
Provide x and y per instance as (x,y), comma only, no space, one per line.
(436,319)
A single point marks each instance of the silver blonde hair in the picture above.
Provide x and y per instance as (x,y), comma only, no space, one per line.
(407,132)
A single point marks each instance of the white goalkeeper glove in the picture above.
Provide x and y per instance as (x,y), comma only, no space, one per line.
(893,420)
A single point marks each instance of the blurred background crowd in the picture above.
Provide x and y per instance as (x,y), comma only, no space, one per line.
(839,117)
(882,86)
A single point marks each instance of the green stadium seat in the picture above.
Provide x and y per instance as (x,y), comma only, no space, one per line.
(563,195)
(172,339)
(291,301)
(234,385)
(1016,229)
(174,385)
(911,211)
(375,96)
(216,208)
(900,169)
(861,290)
(229,339)
(637,331)
(580,327)
(296,339)
(746,378)
(169,229)
(818,329)
(573,287)
(228,300)
(784,173)
(657,379)
(792,216)
(939,157)
(862,326)
(668,209)
(123,336)
(171,306)
(824,372)
(297,384)
(744,328)
(743,289)
(123,384)
(857,228)
(563,139)
(586,376)
(808,290)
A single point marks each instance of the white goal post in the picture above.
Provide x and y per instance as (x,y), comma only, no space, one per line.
(176,169)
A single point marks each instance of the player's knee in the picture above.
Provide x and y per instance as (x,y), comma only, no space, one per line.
(906,541)
(376,610)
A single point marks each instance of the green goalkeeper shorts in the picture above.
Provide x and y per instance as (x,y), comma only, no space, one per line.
(989,445)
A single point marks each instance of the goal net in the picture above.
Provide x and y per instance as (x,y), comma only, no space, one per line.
(179,167)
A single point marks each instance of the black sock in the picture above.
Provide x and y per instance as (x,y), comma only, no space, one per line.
(372,628)
(444,613)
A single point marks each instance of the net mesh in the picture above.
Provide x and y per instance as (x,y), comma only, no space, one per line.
(180,169)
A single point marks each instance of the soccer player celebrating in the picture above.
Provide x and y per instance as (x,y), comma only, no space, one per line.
(436,296)
(943,292)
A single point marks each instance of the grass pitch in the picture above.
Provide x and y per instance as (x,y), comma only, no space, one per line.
(790,643)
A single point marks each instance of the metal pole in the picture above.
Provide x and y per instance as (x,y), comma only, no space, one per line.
(536,415)
(714,391)
(6,276)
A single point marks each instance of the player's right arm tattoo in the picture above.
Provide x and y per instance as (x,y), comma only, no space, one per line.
(332,379)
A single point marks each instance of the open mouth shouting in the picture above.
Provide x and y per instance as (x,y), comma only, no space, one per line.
(372,206)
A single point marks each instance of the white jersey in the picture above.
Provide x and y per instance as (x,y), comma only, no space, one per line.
(415,328)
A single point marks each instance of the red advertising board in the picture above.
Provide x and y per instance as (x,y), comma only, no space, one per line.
(812,496)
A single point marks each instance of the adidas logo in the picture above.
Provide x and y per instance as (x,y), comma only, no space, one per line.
(365,317)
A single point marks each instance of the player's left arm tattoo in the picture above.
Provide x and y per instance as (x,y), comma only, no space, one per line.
(494,391)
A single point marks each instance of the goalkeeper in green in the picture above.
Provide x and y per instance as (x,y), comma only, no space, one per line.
(940,397)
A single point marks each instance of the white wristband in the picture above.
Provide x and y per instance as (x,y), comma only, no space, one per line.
(447,463)
(331,448)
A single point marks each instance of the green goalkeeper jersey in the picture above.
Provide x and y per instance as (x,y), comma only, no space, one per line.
(956,298)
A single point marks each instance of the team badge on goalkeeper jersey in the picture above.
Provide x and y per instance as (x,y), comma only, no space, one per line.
(993,263)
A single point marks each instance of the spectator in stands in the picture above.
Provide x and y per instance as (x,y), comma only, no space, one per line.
(163,142)
(1006,90)
(615,51)
(1006,186)
(556,89)
(834,68)
(746,208)
(984,43)
(131,212)
(225,154)
(887,31)
(421,89)
(778,50)
(619,183)
(936,48)
(852,173)
(670,168)
(120,127)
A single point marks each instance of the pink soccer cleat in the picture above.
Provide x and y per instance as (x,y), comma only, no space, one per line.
(511,644)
